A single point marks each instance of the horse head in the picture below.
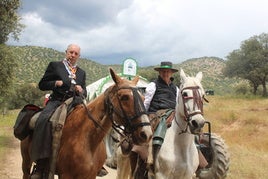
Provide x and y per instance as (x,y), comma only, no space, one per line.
(190,101)
(125,108)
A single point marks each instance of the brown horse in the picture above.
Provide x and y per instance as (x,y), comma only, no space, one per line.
(82,150)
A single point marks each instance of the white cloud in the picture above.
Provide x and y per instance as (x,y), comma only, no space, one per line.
(149,31)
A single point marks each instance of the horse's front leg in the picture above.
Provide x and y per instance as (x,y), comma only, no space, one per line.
(26,160)
(123,165)
(26,169)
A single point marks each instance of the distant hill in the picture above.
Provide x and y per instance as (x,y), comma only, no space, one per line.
(32,62)
(213,77)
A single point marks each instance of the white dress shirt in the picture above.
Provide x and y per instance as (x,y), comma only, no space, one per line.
(149,94)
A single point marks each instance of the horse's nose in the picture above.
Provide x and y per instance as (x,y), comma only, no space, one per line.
(146,133)
(197,124)
(194,124)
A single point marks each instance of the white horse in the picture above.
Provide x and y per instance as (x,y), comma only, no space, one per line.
(178,157)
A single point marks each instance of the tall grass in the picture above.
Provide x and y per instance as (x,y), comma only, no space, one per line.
(243,124)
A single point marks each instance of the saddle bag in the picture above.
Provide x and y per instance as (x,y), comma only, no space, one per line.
(21,127)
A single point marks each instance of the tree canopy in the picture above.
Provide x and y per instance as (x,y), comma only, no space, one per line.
(9,20)
(9,27)
(250,62)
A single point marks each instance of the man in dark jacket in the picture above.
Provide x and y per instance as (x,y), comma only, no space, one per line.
(65,79)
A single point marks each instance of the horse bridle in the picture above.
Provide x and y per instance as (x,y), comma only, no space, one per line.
(139,110)
(197,104)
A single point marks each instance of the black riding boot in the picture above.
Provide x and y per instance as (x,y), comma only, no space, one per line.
(40,171)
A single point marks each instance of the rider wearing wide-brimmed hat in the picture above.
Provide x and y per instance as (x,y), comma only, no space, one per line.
(160,103)
(161,93)
(166,65)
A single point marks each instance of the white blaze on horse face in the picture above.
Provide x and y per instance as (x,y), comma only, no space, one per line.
(146,132)
(189,104)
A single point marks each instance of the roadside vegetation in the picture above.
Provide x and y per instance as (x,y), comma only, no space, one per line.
(7,122)
(241,121)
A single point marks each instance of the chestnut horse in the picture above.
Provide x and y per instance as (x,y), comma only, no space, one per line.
(178,156)
(82,151)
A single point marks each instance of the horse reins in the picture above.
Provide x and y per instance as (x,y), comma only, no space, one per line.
(139,110)
(89,114)
(96,123)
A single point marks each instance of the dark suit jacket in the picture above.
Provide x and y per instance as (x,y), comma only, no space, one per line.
(57,71)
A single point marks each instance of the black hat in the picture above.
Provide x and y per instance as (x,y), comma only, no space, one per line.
(166,65)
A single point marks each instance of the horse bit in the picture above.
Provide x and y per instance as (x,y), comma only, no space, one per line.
(139,110)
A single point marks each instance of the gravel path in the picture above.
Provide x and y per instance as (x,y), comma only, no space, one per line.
(10,167)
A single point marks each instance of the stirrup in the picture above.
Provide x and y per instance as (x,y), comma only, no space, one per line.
(36,174)
(34,170)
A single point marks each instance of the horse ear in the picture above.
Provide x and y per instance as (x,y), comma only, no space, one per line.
(182,75)
(199,76)
(115,77)
(136,79)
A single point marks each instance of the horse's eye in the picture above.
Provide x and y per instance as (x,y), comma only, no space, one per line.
(184,94)
(124,98)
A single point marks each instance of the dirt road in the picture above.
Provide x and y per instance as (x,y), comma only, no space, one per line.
(10,167)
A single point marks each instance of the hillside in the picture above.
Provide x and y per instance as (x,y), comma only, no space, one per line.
(32,62)
(213,78)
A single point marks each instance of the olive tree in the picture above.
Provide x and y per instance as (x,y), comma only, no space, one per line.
(9,20)
(10,26)
(250,62)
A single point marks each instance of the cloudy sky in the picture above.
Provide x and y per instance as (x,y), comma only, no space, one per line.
(149,31)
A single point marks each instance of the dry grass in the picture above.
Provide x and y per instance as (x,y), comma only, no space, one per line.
(243,124)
